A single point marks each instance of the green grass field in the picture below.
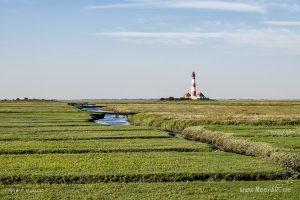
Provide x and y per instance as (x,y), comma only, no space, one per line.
(173,190)
(283,137)
(104,145)
(79,133)
(217,112)
(134,163)
(49,150)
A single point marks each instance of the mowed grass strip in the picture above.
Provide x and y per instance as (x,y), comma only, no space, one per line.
(12,117)
(283,137)
(258,131)
(36,106)
(67,115)
(25,125)
(104,145)
(283,189)
(46,124)
(47,129)
(38,122)
(279,142)
(28,114)
(133,163)
(83,135)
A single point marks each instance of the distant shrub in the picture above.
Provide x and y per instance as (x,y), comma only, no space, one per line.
(153,177)
(173,99)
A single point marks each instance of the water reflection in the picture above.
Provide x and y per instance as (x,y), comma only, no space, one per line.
(113,120)
(93,109)
(109,119)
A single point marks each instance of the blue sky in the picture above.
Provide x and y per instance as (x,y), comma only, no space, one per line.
(69,49)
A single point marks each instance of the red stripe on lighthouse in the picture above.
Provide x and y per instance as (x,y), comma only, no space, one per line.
(193,87)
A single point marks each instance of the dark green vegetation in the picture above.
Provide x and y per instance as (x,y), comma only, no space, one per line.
(48,148)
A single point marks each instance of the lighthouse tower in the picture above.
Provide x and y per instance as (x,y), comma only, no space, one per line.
(193,86)
(194,95)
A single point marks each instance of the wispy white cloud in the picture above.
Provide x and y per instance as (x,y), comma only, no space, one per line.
(187,4)
(121,5)
(285,5)
(282,23)
(272,40)
(156,34)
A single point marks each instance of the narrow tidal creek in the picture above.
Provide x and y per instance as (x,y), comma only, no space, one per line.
(109,119)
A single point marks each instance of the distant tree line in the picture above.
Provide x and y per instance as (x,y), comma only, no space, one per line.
(181,99)
(173,99)
(28,99)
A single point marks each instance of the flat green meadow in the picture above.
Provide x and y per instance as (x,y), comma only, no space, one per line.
(172,190)
(50,150)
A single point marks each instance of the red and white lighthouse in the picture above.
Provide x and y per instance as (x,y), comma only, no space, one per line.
(193,86)
(193,94)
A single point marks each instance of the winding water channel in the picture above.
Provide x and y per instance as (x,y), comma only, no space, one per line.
(110,119)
